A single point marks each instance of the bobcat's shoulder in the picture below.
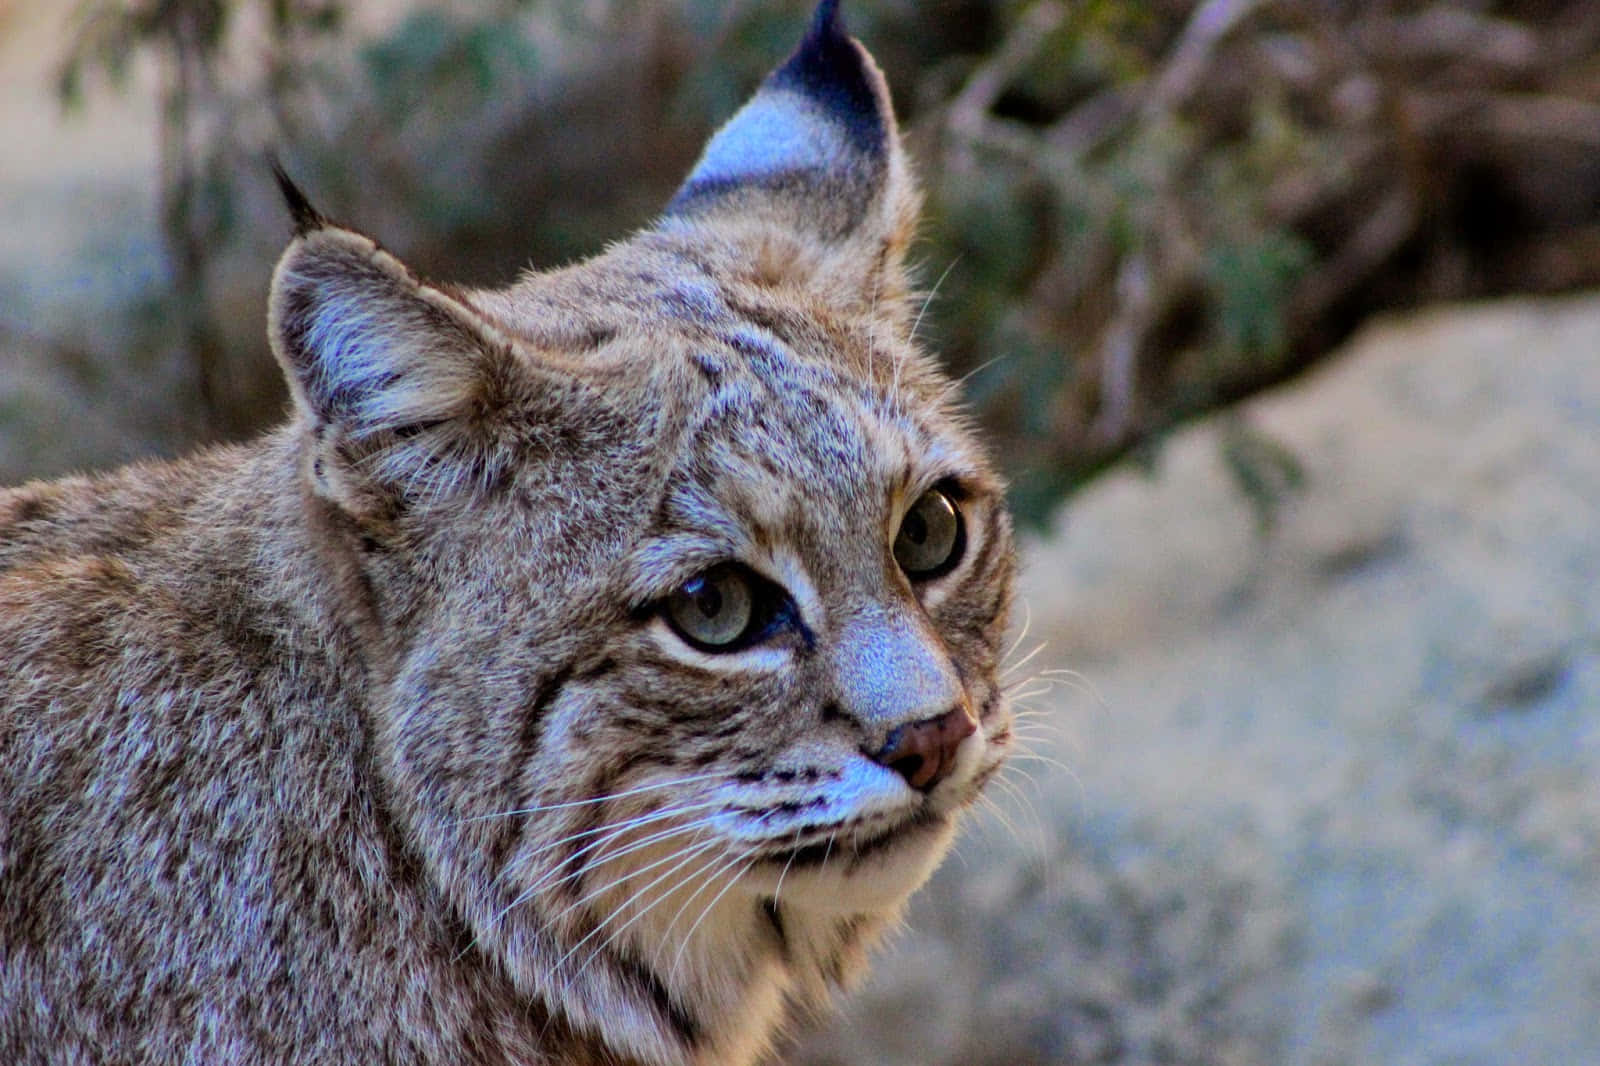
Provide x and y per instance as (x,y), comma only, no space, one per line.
(587,672)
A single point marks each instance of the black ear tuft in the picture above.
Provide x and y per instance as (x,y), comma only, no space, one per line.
(306,217)
(827,67)
(825,22)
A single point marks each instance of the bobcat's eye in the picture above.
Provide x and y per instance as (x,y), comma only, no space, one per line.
(931,537)
(714,611)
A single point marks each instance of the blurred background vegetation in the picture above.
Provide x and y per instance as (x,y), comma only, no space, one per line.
(1137,211)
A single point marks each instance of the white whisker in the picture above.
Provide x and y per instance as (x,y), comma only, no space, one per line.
(689,935)
(1038,838)
(1025,804)
(793,851)
(1022,633)
(609,833)
(682,859)
(1012,668)
(1023,755)
(612,829)
(567,805)
(931,295)
(709,872)
(981,367)
(636,846)
(555,873)
(551,876)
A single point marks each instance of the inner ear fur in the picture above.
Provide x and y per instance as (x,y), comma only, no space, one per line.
(398,381)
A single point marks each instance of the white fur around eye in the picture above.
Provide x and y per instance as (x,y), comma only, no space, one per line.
(791,573)
(764,658)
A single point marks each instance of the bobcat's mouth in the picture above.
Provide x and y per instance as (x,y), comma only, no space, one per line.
(849,846)
(858,867)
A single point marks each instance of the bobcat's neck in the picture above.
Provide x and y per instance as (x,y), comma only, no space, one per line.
(710,986)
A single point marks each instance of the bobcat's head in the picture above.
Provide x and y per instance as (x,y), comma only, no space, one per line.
(681,579)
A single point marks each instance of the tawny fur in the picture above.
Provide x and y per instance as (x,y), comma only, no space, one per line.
(368,742)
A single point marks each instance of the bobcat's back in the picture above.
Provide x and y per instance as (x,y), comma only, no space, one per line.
(588,672)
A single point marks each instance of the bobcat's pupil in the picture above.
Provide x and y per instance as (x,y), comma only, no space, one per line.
(931,536)
(915,530)
(706,597)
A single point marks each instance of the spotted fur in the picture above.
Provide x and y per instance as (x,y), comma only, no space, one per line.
(372,741)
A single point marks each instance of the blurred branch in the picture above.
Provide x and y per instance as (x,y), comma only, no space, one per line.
(1156,208)
(1120,346)
(77,362)
(971,106)
(203,113)
(1191,60)
(1516,117)
(1260,175)
(1377,238)
(968,117)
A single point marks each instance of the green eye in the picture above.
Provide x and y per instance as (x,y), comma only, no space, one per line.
(931,537)
(713,611)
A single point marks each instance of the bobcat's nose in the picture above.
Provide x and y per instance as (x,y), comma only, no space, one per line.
(925,752)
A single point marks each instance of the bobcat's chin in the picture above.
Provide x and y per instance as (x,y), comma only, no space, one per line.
(874,876)
(871,861)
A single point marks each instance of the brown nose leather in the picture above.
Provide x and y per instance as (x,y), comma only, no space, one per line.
(924,752)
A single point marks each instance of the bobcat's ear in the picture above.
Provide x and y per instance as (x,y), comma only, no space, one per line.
(815,152)
(397,380)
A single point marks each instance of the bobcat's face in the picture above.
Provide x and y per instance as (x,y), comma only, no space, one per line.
(684,583)
(824,570)
(714,658)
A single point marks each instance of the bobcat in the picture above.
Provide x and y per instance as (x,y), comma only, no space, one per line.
(586,673)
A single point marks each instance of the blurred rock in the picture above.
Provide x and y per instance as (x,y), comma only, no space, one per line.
(1329,794)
